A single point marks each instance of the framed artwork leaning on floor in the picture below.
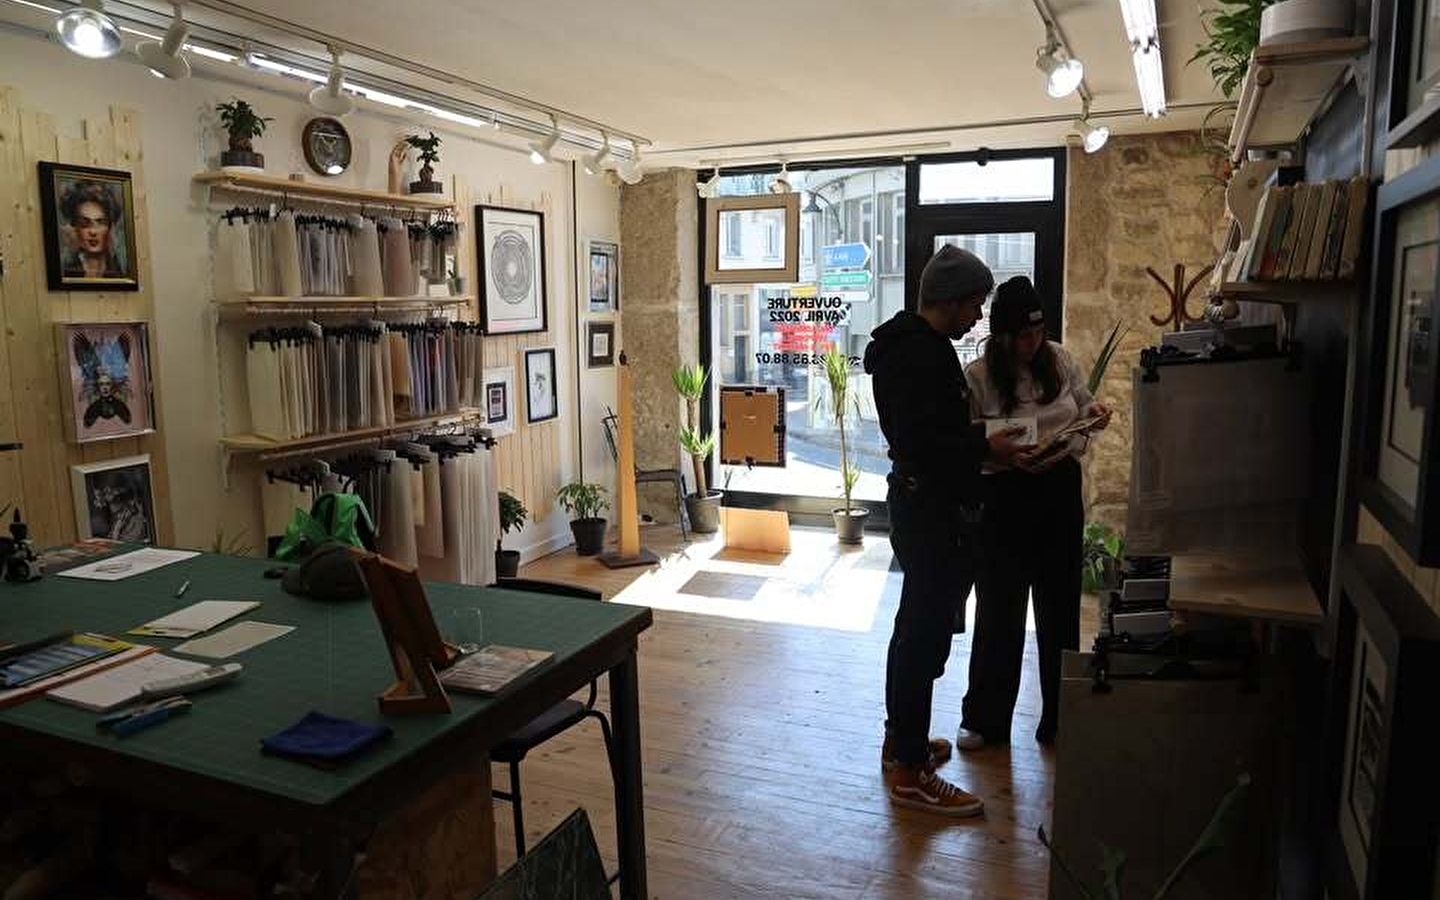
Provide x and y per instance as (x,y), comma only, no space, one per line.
(114,500)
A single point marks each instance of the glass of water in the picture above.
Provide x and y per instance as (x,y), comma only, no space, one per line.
(468,629)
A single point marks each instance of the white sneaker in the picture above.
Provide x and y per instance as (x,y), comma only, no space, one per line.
(965,739)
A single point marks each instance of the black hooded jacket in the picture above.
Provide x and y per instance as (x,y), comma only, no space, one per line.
(924,406)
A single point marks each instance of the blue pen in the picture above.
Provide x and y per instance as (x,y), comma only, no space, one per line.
(139,718)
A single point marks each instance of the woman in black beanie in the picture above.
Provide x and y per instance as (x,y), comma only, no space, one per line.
(1033,517)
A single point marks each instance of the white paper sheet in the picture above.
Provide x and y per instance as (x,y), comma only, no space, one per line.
(197,618)
(126,564)
(236,639)
(117,686)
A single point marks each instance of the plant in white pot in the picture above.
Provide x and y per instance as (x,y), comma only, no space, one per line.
(585,502)
(703,506)
(512,518)
(841,400)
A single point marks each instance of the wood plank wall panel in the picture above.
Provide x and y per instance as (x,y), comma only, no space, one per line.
(33,392)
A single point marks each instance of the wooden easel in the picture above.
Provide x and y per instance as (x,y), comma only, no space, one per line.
(627,504)
(416,649)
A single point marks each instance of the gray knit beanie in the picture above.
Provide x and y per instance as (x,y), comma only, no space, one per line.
(954,274)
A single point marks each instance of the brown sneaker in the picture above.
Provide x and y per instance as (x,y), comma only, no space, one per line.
(940,752)
(922,789)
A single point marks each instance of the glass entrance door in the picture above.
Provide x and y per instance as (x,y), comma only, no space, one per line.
(1007,254)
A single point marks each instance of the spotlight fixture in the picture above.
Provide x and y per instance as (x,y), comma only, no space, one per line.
(88,32)
(781,184)
(540,150)
(1094,136)
(164,58)
(594,163)
(630,171)
(1063,73)
(710,187)
(329,98)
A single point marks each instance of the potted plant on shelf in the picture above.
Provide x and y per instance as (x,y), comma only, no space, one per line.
(584,502)
(243,125)
(1102,549)
(512,518)
(429,148)
(840,401)
(703,506)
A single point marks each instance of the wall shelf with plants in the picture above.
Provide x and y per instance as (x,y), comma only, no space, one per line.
(271,185)
(1285,87)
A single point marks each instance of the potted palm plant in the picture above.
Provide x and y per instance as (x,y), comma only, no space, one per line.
(243,125)
(703,506)
(512,518)
(429,148)
(840,401)
(584,502)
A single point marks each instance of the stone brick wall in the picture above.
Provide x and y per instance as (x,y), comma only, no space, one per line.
(1144,200)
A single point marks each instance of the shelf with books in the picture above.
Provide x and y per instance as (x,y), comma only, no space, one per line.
(1285,88)
(1302,236)
(1287,291)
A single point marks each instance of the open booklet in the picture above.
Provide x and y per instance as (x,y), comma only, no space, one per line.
(1059,442)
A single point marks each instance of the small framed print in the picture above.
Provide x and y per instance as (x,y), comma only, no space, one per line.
(89,220)
(511,263)
(599,344)
(604,277)
(541,392)
(499,400)
(753,240)
(114,500)
(106,368)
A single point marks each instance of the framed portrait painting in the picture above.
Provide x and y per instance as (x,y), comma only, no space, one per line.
(511,263)
(604,277)
(599,344)
(498,400)
(114,500)
(106,369)
(541,392)
(89,220)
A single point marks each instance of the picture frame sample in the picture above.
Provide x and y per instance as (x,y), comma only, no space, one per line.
(752,426)
(114,499)
(604,276)
(599,344)
(510,256)
(105,367)
(1414,74)
(1398,484)
(753,240)
(542,392)
(89,223)
(498,400)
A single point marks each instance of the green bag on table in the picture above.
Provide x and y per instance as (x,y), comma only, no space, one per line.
(332,519)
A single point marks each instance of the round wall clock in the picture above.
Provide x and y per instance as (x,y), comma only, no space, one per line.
(327,145)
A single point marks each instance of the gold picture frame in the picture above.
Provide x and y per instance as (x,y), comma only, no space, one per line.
(777,258)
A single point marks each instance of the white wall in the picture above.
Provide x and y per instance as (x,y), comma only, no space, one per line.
(181,137)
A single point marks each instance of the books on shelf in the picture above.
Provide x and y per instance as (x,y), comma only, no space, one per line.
(1305,232)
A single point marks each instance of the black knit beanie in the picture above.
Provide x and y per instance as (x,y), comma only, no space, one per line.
(1016,307)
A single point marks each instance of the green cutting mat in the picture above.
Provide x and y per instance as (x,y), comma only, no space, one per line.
(334,662)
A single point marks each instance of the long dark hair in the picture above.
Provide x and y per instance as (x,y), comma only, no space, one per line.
(1003,369)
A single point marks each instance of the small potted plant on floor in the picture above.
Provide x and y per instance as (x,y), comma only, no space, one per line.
(1102,551)
(243,126)
(512,518)
(429,148)
(584,502)
(841,400)
(703,506)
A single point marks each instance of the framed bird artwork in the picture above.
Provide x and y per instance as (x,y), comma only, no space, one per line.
(106,367)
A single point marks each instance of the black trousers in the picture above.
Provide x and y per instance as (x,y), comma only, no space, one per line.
(935,549)
(1031,545)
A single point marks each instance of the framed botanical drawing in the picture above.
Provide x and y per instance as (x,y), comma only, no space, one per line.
(114,500)
(752,240)
(499,400)
(1414,74)
(604,277)
(105,368)
(89,220)
(511,263)
(599,344)
(542,394)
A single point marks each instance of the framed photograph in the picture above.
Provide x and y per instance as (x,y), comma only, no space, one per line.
(499,400)
(752,426)
(1414,74)
(604,277)
(752,240)
(114,500)
(106,368)
(1399,438)
(542,398)
(511,263)
(600,344)
(89,220)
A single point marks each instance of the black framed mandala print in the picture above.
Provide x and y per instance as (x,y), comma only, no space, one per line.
(511,263)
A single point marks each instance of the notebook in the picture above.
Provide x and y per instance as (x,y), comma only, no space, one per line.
(115,687)
(196,618)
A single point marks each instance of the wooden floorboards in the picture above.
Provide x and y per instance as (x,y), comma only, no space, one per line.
(761,744)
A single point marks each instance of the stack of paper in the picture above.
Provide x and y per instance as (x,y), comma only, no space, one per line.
(127,564)
(195,619)
(121,685)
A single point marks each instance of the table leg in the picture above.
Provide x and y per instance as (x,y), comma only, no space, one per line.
(629,799)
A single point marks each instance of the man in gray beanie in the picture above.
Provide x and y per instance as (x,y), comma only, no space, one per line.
(936,454)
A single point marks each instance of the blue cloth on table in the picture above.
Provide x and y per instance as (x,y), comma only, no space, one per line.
(324,740)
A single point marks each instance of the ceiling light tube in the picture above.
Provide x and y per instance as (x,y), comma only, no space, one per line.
(1150,76)
(330,98)
(88,32)
(540,150)
(595,162)
(164,58)
(1140,23)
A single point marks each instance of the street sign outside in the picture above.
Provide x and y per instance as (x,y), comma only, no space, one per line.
(846,256)
(831,280)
